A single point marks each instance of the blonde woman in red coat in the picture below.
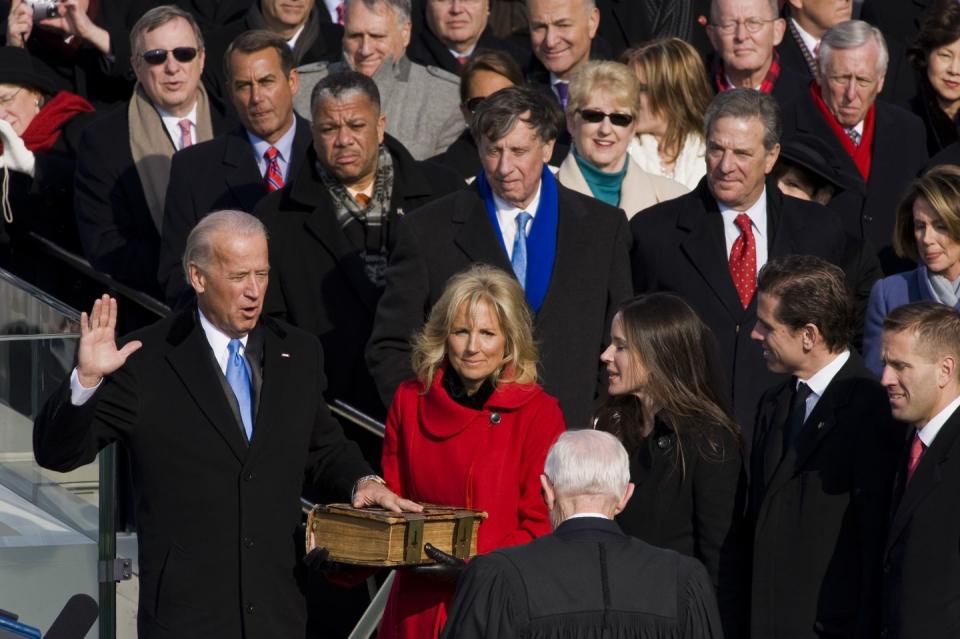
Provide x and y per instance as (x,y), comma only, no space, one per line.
(473,429)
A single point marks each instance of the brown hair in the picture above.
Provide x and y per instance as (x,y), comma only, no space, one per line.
(258,40)
(676,86)
(479,284)
(491,60)
(679,354)
(810,290)
(936,327)
(939,26)
(940,187)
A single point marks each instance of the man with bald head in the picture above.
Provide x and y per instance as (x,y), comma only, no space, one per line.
(881,147)
(421,104)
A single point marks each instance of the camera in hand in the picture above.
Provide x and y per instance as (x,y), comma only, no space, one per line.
(43,9)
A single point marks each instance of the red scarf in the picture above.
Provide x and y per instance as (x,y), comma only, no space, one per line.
(860,154)
(720,76)
(45,128)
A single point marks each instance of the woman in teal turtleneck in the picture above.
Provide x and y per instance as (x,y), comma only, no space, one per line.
(601,118)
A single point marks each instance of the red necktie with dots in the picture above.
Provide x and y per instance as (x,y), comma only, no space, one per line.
(743,260)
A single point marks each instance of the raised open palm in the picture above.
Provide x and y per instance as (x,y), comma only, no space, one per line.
(98,352)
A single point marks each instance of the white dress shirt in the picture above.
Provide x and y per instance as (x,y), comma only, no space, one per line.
(172,124)
(819,381)
(758,215)
(284,146)
(507,217)
(332,8)
(292,42)
(219,344)
(582,515)
(930,431)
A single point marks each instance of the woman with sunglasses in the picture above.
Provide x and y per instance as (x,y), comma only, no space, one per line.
(673,97)
(40,130)
(486,72)
(601,118)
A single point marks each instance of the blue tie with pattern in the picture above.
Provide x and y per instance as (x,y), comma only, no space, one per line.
(519,259)
(239,379)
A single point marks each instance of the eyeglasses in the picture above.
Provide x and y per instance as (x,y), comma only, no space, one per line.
(595,117)
(156,57)
(4,101)
(752,25)
(474,102)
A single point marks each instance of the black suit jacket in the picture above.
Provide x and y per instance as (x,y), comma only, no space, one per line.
(679,246)
(868,209)
(317,277)
(899,21)
(211,509)
(116,230)
(584,577)
(591,276)
(221,173)
(629,23)
(426,48)
(921,557)
(820,509)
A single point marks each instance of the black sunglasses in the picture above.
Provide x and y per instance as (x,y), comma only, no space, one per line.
(594,117)
(159,56)
(473,103)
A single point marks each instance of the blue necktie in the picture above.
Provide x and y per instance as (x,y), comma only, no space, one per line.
(239,379)
(519,259)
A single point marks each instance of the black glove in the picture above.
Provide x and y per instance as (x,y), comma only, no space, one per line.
(318,560)
(447,568)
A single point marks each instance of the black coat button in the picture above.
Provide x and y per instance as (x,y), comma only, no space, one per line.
(248,477)
(247,542)
(251,609)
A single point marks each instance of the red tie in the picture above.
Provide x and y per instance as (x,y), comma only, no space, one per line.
(185,138)
(462,59)
(743,260)
(274,177)
(340,14)
(362,199)
(917,448)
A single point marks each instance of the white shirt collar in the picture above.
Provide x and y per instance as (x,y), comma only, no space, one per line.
(172,124)
(508,212)
(808,40)
(292,42)
(757,213)
(332,8)
(929,432)
(457,54)
(583,515)
(219,341)
(819,381)
(284,145)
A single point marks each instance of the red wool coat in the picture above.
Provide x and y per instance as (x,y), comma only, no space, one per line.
(440,452)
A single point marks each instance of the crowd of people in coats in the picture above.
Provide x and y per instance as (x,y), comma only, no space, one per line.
(668,288)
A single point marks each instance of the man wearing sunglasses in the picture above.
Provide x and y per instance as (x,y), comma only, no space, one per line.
(707,246)
(743,34)
(236,170)
(123,165)
(568,251)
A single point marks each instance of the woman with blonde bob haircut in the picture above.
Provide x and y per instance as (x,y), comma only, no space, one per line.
(472,430)
(673,96)
(927,230)
(602,120)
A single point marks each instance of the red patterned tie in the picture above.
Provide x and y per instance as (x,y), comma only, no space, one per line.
(917,448)
(274,177)
(186,139)
(340,14)
(462,59)
(743,260)
(362,199)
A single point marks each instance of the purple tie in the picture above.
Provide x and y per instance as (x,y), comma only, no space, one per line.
(564,92)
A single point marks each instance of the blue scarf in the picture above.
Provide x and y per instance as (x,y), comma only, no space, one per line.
(541,241)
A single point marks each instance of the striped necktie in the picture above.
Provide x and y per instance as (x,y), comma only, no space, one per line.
(274,177)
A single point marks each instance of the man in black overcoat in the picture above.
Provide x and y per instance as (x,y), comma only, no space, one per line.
(233,171)
(686,245)
(223,417)
(575,267)
(824,456)
(921,557)
(323,243)
(587,578)
(881,147)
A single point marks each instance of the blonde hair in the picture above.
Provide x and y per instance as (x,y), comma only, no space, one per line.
(676,88)
(615,78)
(940,187)
(480,284)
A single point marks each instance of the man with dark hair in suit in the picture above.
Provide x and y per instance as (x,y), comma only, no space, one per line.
(587,578)
(235,170)
(223,417)
(569,252)
(881,146)
(123,164)
(921,558)
(708,245)
(824,456)
(333,228)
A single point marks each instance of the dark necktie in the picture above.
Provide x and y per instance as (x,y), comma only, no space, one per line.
(563,92)
(796,416)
